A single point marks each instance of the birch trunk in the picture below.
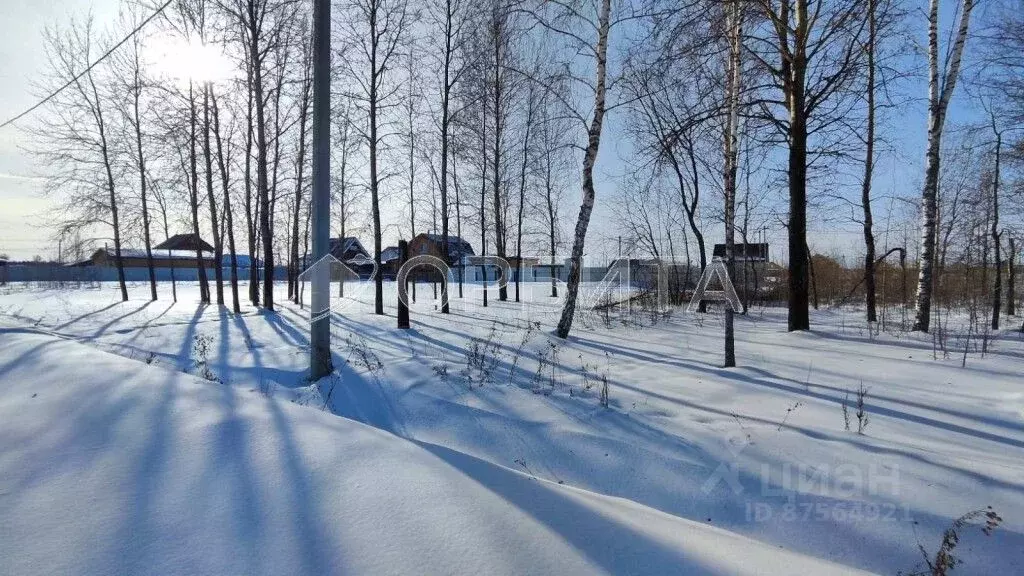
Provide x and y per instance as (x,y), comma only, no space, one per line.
(111,190)
(411,112)
(940,90)
(300,165)
(522,188)
(204,286)
(458,221)
(218,246)
(552,217)
(734,27)
(343,193)
(250,205)
(378,302)
(446,88)
(140,152)
(262,184)
(229,226)
(498,32)
(589,159)
(483,192)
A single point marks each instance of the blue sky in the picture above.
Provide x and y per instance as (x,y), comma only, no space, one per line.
(23,211)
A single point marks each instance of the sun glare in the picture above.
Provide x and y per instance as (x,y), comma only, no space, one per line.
(184,61)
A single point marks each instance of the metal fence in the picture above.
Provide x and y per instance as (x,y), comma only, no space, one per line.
(57,273)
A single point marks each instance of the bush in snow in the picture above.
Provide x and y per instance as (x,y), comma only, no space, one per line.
(846,412)
(360,354)
(862,415)
(331,384)
(944,561)
(527,336)
(201,345)
(441,371)
(789,411)
(482,357)
(604,390)
(598,380)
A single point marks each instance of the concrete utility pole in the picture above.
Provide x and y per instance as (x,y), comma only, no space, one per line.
(320,328)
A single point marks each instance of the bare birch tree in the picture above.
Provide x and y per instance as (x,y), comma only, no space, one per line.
(529,112)
(377,29)
(76,141)
(733,70)
(134,84)
(261,22)
(224,150)
(449,19)
(574,24)
(347,196)
(552,165)
(305,101)
(941,84)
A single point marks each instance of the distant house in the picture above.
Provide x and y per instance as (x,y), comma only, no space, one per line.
(184,242)
(432,244)
(348,248)
(743,252)
(389,254)
(136,258)
(755,273)
(389,258)
(348,251)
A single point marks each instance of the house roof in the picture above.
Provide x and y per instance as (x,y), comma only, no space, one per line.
(340,246)
(457,247)
(184,242)
(388,254)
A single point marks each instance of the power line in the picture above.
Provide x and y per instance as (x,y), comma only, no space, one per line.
(91,66)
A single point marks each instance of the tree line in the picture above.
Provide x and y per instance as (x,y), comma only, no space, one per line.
(486,118)
(747,115)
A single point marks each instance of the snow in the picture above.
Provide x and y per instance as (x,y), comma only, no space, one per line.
(126,462)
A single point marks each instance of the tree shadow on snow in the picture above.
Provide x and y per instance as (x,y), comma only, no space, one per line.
(616,548)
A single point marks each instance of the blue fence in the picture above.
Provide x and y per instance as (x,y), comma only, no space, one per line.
(23,273)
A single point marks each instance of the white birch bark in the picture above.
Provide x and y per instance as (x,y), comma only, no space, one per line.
(940,91)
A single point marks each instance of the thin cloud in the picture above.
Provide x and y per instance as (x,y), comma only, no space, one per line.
(6,176)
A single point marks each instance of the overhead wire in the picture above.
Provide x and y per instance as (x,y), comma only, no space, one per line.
(79,76)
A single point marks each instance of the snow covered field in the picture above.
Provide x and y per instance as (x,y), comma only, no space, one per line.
(144,437)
